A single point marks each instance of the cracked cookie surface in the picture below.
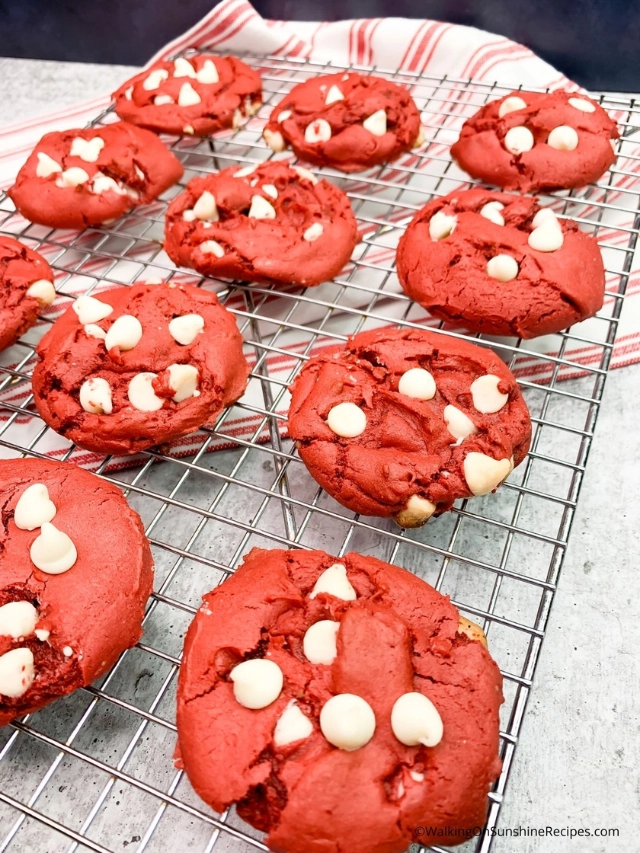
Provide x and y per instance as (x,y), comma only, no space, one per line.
(83,618)
(138,366)
(530,141)
(393,635)
(402,423)
(26,286)
(76,178)
(272,222)
(349,121)
(444,262)
(198,95)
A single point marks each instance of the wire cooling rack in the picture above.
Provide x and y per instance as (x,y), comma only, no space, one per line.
(95,771)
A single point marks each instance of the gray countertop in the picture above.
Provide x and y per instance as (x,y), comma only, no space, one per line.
(577,762)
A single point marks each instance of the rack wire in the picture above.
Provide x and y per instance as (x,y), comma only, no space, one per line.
(95,770)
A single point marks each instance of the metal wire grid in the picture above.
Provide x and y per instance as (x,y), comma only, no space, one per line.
(94,771)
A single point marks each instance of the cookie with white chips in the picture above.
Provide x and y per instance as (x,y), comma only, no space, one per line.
(349,121)
(500,264)
(531,141)
(77,571)
(76,178)
(270,222)
(199,94)
(138,366)
(26,287)
(340,702)
(401,423)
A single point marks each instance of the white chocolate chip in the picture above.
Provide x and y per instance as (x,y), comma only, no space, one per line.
(491,211)
(518,140)
(484,473)
(53,551)
(208,73)
(320,642)
(103,183)
(486,398)
(67,651)
(73,177)
(284,115)
(42,634)
(42,290)
(417,511)
(441,225)
(185,329)
(188,216)
(183,68)
(242,173)
(256,683)
(261,208)
(238,118)
(418,384)
(274,139)
(46,165)
(183,381)
(161,100)
(547,237)
(347,420)
(313,232)
(415,720)
(510,105)
(205,208)
(87,149)
(334,581)
(292,726)
(347,721)
(417,777)
(334,94)
(155,78)
(317,131)
(140,174)
(18,619)
(376,123)
(141,394)
(188,97)
(270,190)
(95,331)
(543,215)
(95,396)
(305,173)
(420,138)
(211,247)
(563,138)
(34,507)
(502,268)
(125,333)
(583,105)
(458,424)
(189,129)
(16,672)
(128,93)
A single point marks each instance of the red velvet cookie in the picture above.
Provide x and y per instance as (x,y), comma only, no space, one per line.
(500,264)
(138,366)
(402,423)
(75,178)
(77,572)
(341,704)
(348,121)
(26,286)
(198,95)
(272,222)
(529,141)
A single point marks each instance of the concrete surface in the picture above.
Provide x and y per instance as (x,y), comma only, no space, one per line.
(579,752)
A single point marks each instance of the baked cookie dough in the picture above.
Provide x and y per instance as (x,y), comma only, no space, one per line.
(26,286)
(339,703)
(529,141)
(500,264)
(77,572)
(195,95)
(272,222)
(76,178)
(349,121)
(402,423)
(138,366)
